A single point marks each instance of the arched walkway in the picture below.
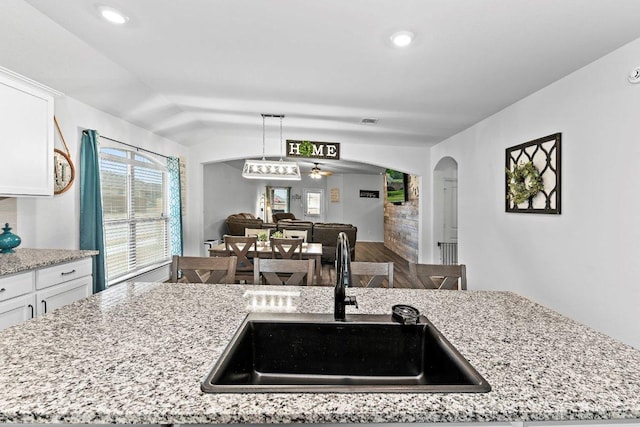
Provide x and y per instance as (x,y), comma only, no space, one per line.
(445,211)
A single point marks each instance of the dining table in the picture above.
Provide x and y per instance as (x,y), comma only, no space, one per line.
(263,250)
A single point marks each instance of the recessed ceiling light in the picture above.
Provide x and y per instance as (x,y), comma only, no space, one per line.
(402,38)
(112,15)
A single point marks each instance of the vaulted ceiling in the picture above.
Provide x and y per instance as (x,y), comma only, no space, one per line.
(197,70)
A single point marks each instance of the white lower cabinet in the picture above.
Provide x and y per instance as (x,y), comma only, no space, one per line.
(57,296)
(34,293)
(17,310)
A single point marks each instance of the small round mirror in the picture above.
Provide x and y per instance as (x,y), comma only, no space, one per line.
(63,172)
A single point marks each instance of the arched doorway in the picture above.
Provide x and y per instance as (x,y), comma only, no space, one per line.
(445,211)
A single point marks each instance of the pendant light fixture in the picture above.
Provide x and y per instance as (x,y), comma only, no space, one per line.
(270,169)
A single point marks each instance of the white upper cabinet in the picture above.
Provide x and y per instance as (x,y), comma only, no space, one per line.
(26,136)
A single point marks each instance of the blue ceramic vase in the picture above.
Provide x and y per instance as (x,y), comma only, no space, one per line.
(8,240)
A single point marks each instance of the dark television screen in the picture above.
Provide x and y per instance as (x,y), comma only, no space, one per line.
(396,186)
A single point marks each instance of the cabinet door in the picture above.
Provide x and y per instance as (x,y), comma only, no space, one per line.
(57,296)
(26,133)
(16,310)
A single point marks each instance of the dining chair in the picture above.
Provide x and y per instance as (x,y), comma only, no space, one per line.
(284,271)
(438,276)
(243,248)
(203,269)
(286,248)
(372,274)
(292,234)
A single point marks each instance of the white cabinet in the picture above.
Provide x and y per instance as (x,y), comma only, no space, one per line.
(17,310)
(61,295)
(17,302)
(37,292)
(26,136)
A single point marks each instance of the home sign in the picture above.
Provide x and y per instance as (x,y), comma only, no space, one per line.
(313,149)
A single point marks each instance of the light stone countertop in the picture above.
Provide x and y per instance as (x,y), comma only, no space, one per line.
(27,259)
(136,353)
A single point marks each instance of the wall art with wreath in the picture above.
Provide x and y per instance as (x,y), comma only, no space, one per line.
(532,176)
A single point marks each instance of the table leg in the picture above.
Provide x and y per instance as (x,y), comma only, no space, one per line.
(318,277)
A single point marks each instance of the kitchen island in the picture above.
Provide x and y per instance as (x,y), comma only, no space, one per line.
(136,353)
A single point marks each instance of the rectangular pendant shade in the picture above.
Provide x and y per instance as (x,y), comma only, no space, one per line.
(270,169)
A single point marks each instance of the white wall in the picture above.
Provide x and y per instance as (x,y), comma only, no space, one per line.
(584,262)
(366,214)
(9,213)
(53,222)
(226,193)
(335,210)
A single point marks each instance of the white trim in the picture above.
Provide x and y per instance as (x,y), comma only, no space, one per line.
(22,79)
(132,275)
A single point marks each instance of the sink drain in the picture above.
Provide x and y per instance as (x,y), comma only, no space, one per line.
(405,314)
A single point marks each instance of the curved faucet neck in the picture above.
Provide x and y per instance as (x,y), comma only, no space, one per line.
(343,277)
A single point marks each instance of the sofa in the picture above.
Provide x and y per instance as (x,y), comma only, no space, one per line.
(327,234)
(236,223)
(319,232)
(282,215)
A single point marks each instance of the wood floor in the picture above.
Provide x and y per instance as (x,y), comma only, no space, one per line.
(373,252)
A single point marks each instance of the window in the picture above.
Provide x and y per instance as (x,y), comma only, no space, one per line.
(280,199)
(134,200)
(313,202)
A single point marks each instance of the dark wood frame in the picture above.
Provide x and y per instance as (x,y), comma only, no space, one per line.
(517,153)
(292,151)
(370,194)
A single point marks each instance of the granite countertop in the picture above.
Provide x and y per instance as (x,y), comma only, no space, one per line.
(136,353)
(27,259)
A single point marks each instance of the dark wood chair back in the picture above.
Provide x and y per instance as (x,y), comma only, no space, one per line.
(243,247)
(437,276)
(203,269)
(284,271)
(286,248)
(372,274)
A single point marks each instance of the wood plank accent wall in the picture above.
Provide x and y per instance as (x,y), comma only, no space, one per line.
(401,224)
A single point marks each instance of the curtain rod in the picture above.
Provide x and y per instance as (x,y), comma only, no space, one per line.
(133,146)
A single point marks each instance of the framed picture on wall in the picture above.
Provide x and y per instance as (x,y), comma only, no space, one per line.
(370,194)
(532,176)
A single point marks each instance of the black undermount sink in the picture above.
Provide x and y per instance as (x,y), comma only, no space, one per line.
(366,353)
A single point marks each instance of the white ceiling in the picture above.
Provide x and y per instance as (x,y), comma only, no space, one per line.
(197,70)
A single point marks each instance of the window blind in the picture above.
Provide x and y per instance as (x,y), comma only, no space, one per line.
(134,191)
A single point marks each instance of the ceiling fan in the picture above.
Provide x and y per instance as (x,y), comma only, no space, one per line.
(317,173)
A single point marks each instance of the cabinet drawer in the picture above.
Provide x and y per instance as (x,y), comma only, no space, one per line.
(16,284)
(61,273)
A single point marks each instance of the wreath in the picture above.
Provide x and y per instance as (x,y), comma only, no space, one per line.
(524,182)
(306,148)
